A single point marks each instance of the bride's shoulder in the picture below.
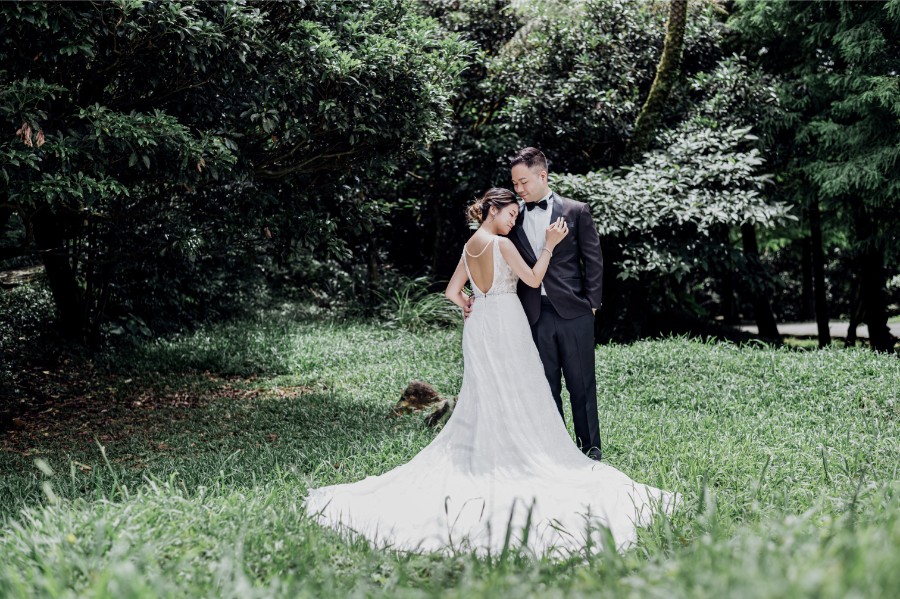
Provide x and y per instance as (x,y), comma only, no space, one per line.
(505,244)
(477,243)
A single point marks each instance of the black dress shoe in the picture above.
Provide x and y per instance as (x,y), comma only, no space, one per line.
(595,454)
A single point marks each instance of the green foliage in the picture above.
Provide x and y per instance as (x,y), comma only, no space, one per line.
(664,208)
(410,305)
(187,140)
(576,74)
(837,142)
(27,318)
(357,88)
(570,78)
(786,459)
(665,221)
(840,89)
(26,310)
(734,93)
(187,162)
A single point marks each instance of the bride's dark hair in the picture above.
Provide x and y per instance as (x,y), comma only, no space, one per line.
(495,197)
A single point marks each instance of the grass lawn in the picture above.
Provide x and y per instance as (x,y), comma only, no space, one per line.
(177,468)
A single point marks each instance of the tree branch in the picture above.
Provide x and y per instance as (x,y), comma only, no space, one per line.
(300,167)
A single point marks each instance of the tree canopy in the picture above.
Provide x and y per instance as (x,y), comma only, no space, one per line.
(154,128)
(837,66)
(174,162)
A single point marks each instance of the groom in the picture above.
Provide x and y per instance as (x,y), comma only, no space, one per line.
(561,313)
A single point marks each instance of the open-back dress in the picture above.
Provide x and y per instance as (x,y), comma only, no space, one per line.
(503,470)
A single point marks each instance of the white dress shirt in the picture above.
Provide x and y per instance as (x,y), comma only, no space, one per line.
(535,226)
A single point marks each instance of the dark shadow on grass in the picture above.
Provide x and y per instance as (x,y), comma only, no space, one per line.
(234,435)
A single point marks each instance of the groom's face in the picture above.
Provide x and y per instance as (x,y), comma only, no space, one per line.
(529,183)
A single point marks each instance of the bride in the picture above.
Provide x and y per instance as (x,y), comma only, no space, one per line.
(503,471)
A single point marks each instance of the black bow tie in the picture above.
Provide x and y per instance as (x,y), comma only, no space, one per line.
(532,205)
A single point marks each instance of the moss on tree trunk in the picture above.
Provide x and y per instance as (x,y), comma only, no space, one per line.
(666,73)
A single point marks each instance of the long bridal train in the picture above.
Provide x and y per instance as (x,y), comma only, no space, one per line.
(503,464)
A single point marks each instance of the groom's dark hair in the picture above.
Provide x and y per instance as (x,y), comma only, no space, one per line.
(530,157)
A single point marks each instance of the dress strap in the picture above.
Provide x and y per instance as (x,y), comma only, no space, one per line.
(486,246)
(466,263)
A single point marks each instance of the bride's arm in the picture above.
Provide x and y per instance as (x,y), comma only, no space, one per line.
(530,276)
(454,291)
(533,276)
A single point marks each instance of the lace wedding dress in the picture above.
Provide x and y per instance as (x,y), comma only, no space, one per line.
(503,469)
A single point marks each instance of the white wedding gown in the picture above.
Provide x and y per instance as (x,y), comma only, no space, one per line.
(503,464)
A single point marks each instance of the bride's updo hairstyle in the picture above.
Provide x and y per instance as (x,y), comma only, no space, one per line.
(495,197)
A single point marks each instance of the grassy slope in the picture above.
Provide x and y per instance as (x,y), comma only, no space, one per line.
(788,462)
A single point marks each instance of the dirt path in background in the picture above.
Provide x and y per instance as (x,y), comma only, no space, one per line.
(838,329)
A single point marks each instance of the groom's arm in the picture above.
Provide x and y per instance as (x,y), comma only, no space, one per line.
(591,256)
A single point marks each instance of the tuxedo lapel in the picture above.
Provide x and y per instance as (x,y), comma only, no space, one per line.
(557,208)
(524,244)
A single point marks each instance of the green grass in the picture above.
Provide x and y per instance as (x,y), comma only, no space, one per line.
(788,463)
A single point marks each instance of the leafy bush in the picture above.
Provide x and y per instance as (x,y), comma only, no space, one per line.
(27,317)
(664,209)
(26,310)
(411,306)
(183,140)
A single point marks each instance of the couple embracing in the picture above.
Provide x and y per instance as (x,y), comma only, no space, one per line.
(504,470)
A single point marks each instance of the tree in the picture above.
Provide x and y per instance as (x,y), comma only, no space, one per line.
(733,94)
(570,77)
(666,73)
(567,76)
(577,73)
(838,64)
(152,135)
(663,213)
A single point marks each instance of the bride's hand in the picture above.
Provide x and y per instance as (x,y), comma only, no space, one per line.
(556,233)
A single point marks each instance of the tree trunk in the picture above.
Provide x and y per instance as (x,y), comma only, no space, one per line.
(872,283)
(610,321)
(729,309)
(762,310)
(373,271)
(857,315)
(5,214)
(874,302)
(438,232)
(666,74)
(10,252)
(50,238)
(818,263)
(637,311)
(807,301)
(437,246)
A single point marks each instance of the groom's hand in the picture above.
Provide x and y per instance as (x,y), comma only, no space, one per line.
(467,309)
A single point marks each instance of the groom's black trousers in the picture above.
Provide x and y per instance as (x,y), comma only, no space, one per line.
(566,347)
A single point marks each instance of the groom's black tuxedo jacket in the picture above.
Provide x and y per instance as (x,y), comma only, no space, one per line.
(574,279)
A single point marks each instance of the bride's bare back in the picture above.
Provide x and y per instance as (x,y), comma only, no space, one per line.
(480,259)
